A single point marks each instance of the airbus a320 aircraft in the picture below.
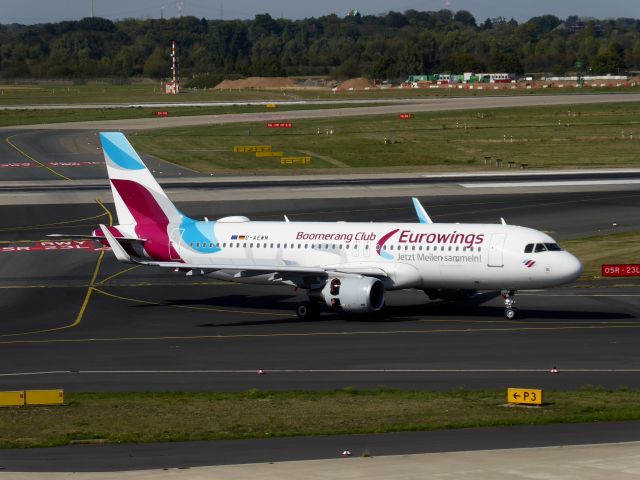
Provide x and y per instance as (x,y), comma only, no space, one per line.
(346,267)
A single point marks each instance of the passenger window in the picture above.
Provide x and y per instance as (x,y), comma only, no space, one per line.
(528,248)
(540,248)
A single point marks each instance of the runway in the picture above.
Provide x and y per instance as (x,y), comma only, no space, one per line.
(64,155)
(419,105)
(77,321)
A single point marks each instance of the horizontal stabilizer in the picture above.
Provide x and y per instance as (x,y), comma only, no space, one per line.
(116,248)
(98,237)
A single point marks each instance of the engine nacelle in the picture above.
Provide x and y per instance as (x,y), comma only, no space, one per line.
(353,294)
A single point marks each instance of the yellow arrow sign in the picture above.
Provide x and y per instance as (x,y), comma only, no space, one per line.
(526,396)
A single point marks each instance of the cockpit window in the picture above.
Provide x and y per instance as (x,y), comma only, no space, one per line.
(553,247)
(528,248)
(540,248)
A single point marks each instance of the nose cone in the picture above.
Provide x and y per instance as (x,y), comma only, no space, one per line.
(571,268)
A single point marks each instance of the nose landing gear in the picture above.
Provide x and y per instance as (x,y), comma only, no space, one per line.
(510,311)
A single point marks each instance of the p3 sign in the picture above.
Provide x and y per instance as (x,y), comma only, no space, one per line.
(526,396)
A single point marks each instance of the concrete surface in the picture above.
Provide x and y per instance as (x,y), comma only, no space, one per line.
(619,461)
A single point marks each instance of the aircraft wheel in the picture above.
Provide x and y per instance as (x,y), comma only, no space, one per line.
(511,313)
(307,311)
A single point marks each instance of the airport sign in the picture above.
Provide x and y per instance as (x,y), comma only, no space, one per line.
(524,396)
(621,270)
(269,154)
(251,148)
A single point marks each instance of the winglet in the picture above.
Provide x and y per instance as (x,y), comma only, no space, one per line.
(420,211)
(117,249)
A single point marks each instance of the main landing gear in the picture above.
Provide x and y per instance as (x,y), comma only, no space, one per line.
(308,310)
(510,311)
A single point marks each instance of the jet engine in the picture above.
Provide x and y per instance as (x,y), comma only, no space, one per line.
(353,294)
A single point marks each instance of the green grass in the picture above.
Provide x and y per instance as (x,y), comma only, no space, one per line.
(611,248)
(36,116)
(588,136)
(52,93)
(162,417)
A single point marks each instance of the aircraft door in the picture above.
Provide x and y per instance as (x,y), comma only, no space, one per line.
(495,250)
(175,241)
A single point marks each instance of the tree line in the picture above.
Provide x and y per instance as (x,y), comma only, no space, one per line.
(393,45)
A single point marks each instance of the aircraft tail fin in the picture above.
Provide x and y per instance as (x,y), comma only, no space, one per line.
(138,197)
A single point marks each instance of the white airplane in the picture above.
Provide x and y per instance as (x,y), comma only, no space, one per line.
(346,267)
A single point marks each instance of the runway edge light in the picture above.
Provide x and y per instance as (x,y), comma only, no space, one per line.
(524,396)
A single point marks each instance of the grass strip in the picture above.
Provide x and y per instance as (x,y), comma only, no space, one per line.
(164,417)
(32,116)
(585,136)
(612,248)
(47,93)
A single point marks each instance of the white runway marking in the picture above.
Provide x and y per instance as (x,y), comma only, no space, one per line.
(336,371)
(559,183)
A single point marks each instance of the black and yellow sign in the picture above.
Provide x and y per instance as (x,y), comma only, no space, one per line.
(269,154)
(295,160)
(252,148)
(526,396)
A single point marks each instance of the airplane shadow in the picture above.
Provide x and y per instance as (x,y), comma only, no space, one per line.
(472,309)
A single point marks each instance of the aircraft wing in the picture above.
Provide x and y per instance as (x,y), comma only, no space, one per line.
(254,269)
(97,237)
